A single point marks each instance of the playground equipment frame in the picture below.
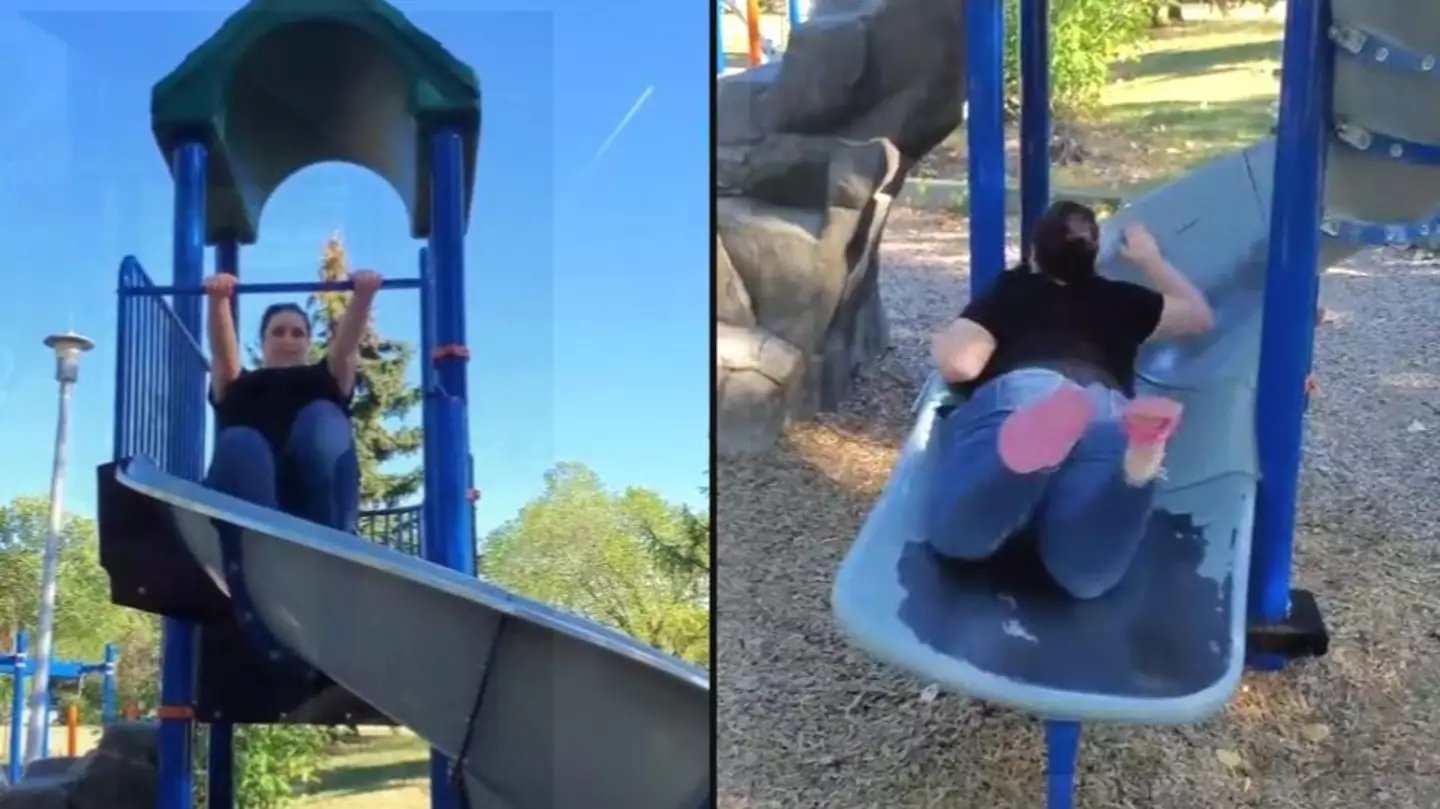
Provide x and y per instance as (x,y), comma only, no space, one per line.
(795,13)
(1288,333)
(20,666)
(160,413)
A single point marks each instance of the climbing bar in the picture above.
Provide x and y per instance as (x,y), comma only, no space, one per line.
(1380,234)
(1380,51)
(286,288)
(1370,141)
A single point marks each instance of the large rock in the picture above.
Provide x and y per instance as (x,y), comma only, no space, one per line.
(811,152)
(120,773)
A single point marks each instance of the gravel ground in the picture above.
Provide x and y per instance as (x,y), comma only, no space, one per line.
(806,721)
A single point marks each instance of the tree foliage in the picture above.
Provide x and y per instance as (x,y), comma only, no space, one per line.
(1087,37)
(382,395)
(629,560)
(85,620)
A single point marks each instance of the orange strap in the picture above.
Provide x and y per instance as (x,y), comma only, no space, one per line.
(452,351)
(182,712)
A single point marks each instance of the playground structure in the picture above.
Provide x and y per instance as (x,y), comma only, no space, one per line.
(19,666)
(271,619)
(759,49)
(1211,591)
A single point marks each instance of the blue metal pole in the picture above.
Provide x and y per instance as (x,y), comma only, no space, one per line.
(796,13)
(447,440)
(177,654)
(107,685)
(1062,754)
(719,36)
(1034,116)
(17,705)
(1291,286)
(220,751)
(985,31)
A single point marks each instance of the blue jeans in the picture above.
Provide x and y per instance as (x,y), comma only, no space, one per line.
(316,477)
(1088,519)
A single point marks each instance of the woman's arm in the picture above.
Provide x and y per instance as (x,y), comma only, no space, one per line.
(962,351)
(220,332)
(343,356)
(1186,312)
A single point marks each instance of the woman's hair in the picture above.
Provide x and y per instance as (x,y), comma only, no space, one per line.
(278,308)
(1067,242)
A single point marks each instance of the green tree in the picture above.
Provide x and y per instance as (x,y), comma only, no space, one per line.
(631,561)
(382,395)
(1087,38)
(85,620)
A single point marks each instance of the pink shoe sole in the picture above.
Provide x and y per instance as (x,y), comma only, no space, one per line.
(1151,420)
(1041,435)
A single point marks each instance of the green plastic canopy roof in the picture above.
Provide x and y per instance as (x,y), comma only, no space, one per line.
(286,84)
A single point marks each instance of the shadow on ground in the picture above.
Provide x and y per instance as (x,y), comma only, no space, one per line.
(1162,65)
(367,778)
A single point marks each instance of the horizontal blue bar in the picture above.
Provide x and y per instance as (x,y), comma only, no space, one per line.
(59,669)
(288,288)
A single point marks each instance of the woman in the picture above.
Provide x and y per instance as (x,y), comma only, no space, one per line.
(1051,435)
(284,429)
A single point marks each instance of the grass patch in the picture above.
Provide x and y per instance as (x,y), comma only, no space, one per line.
(381,770)
(1198,91)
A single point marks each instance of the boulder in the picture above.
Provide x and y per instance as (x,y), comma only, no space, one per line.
(811,151)
(120,773)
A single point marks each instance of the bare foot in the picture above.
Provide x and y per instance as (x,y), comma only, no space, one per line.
(1149,422)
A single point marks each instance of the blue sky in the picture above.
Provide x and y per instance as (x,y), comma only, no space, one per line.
(587,291)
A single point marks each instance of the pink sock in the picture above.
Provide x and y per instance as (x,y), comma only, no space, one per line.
(1041,435)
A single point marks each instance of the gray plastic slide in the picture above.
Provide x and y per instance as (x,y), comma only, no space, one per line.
(573,716)
(1167,646)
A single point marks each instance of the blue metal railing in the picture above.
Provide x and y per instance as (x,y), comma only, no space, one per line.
(157,360)
(397,528)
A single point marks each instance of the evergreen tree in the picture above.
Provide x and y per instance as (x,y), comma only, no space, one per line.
(381,392)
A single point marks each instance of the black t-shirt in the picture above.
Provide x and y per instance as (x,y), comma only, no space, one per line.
(269,399)
(1090,331)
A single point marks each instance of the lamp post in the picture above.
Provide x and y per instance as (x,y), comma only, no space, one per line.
(67,347)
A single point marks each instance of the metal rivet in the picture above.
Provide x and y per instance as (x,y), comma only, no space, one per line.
(1381,54)
(1425,229)
(1396,150)
(1428,63)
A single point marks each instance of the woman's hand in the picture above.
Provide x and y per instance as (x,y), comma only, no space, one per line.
(220,287)
(367,282)
(1139,247)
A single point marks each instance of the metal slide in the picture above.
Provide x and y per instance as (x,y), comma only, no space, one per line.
(1167,646)
(568,713)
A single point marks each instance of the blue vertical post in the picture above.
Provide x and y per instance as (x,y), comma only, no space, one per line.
(719,36)
(1291,285)
(796,11)
(17,705)
(107,685)
(1034,116)
(441,794)
(985,32)
(447,439)
(220,751)
(1062,754)
(177,654)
